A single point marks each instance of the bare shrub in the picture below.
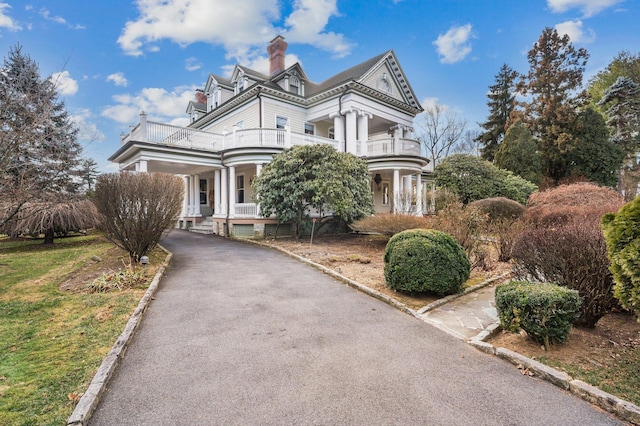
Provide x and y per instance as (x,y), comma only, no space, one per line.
(138,209)
(573,255)
(52,218)
(465,226)
(389,224)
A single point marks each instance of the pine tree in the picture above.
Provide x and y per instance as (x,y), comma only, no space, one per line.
(38,141)
(518,153)
(622,102)
(501,104)
(625,64)
(553,88)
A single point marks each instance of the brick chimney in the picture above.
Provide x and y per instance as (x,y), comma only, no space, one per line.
(277,48)
(200,96)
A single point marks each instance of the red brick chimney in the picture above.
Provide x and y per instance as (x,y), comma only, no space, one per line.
(200,96)
(276,49)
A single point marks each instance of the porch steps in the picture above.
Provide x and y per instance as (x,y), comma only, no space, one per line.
(204,227)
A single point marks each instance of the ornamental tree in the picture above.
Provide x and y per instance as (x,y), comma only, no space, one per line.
(39,151)
(314,177)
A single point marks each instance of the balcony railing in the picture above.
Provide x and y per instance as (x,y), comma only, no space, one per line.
(187,137)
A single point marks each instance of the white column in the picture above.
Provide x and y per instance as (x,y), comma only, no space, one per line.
(196,195)
(396,188)
(185,198)
(397,134)
(141,166)
(338,128)
(363,131)
(232,190)
(216,192)
(224,192)
(351,142)
(258,171)
(419,194)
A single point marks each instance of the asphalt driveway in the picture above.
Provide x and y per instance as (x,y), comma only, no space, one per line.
(242,335)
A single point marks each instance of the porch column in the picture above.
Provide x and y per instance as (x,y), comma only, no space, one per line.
(419,194)
(232,190)
(396,188)
(216,192)
(433,197)
(192,195)
(185,198)
(258,171)
(141,166)
(363,131)
(338,128)
(351,142)
(397,134)
(224,194)
(196,195)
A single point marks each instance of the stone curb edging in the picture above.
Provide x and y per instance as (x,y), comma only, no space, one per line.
(621,408)
(89,401)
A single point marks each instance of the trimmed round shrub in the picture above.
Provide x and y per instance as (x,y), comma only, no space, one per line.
(544,311)
(425,260)
(498,208)
(622,234)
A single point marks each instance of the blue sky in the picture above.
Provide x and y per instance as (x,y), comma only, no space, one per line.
(114,58)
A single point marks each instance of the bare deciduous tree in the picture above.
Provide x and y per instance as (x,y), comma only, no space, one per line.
(441,130)
(138,209)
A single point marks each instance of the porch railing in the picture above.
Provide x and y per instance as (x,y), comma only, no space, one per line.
(245,210)
(390,146)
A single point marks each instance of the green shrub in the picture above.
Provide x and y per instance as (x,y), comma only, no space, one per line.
(425,260)
(498,208)
(622,234)
(545,311)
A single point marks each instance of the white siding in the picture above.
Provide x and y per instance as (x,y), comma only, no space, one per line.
(374,81)
(248,114)
(297,116)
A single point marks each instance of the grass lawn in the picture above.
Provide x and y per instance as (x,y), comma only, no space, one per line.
(52,341)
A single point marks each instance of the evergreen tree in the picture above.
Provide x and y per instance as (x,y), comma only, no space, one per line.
(38,141)
(519,154)
(594,156)
(501,104)
(622,102)
(552,86)
(624,64)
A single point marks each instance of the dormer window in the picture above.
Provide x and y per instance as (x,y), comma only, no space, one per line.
(294,85)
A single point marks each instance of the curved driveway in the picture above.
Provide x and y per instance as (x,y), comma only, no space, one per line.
(242,335)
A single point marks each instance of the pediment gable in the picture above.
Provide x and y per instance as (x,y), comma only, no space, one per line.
(387,77)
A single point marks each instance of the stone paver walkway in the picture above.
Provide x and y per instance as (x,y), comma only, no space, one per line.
(467,315)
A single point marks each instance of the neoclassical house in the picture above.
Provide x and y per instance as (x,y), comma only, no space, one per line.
(237,124)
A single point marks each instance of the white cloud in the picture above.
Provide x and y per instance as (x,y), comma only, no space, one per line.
(46,14)
(307,22)
(87,131)
(588,7)
(454,45)
(432,102)
(243,28)
(65,84)
(192,64)
(575,32)
(159,104)
(118,79)
(6,21)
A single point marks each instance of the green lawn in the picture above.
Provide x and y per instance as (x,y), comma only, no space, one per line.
(51,342)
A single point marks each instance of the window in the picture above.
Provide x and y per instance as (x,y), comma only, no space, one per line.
(240,124)
(240,189)
(309,129)
(331,133)
(203,191)
(281,122)
(385,194)
(294,85)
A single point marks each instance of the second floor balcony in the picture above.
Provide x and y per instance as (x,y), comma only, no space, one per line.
(187,137)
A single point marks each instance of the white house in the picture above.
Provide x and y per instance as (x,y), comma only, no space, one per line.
(239,123)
